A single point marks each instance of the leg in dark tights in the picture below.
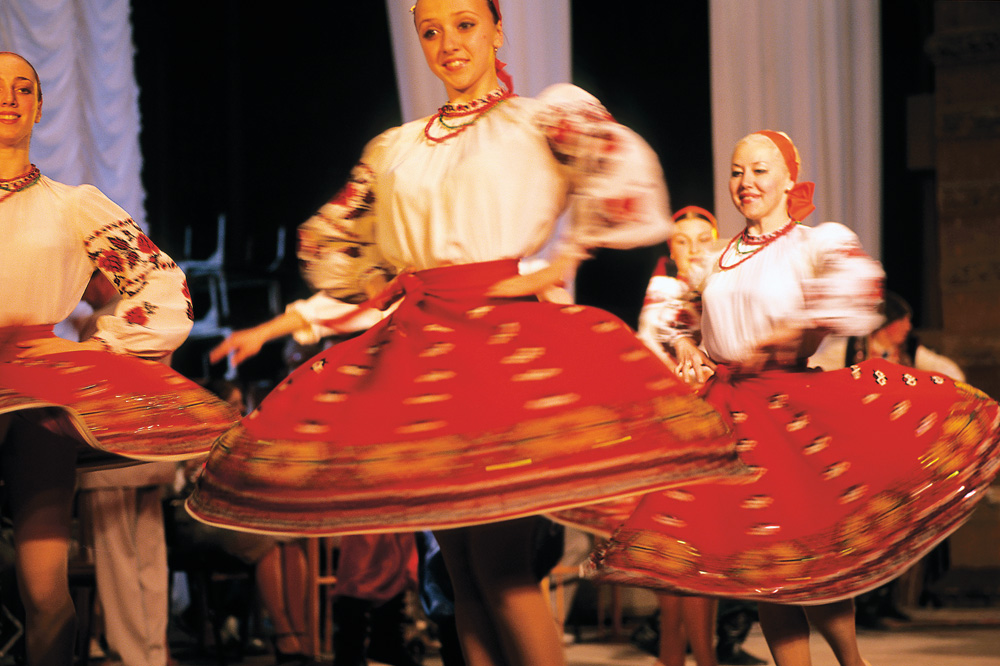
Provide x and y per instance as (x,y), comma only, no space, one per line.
(502,616)
(38,467)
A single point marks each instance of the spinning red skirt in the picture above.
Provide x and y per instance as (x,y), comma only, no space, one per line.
(457,410)
(857,474)
(114,404)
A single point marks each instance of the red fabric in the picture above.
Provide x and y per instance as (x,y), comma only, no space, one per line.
(376,567)
(800,203)
(859,472)
(457,410)
(113,403)
(800,196)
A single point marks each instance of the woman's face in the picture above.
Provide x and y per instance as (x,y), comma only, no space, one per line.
(692,240)
(459,40)
(20,107)
(759,181)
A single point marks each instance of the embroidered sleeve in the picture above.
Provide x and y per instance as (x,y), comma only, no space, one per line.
(154,314)
(337,252)
(672,310)
(845,290)
(619,196)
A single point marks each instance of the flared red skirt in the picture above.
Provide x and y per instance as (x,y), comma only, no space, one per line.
(114,405)
(457,410)
(857,473)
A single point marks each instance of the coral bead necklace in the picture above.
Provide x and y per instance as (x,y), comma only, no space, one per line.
(471,112)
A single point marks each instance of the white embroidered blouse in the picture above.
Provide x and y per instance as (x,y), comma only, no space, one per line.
(493,191)
(812,277)
(55,236)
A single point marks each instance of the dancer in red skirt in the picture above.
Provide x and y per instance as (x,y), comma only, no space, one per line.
(67,403)
(473,404)
(858,472)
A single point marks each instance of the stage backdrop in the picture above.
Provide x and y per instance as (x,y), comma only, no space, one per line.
(89,133)
(812,70)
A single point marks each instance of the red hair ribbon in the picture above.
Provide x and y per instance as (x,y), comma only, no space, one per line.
(800,203)
(696,211)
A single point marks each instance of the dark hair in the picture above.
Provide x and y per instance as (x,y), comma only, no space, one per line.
(895,308)
(38,81)
(493,10)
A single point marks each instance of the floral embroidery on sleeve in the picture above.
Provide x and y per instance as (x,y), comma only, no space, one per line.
(126,256)
(336,251)
(620,197)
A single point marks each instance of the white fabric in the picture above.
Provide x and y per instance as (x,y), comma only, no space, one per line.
(89,133)
(809,277)
(320,308)
(130,564)
(494,191)
(51,230)
(536,50)
(810,69)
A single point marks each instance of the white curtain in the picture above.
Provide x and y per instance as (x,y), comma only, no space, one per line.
(536,50)
(89,131)
(810,69)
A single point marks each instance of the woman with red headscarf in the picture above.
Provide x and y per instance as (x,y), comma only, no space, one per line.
(472,406)
(857,472)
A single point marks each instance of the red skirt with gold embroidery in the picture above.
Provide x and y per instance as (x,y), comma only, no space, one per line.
(114,404)
(858,473)
(457,410)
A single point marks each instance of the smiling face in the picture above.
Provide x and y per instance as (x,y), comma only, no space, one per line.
(20,101)
(459,40)
(759,182)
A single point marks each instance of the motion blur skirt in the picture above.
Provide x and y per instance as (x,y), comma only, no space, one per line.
(457,410)
(857,473)
(113,404)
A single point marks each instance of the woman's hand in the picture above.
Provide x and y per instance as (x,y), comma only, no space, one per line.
(693,366)
(45,346)
(547,284)
(241,344)
(786,345)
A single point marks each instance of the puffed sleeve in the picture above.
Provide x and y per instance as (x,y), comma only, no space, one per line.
(671,310)
(337,251)
(619,196)
(154,314)
(845,289)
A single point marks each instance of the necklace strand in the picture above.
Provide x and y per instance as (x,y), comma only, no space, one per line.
(757,244)
(15,185)
(478,109)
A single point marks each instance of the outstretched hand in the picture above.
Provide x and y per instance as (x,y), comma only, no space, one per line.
(241,344)
(546,283)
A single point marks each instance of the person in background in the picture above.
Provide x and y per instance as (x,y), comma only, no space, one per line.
(843,498)
(671,310)
(65,403)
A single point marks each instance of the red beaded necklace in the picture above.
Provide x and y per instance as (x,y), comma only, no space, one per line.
(755,243)
(15,185)
(476,108)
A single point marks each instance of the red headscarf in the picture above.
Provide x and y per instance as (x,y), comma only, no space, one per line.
(698,213)
(800,203)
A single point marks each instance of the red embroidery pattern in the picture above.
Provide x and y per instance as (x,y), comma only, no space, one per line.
(123,253)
